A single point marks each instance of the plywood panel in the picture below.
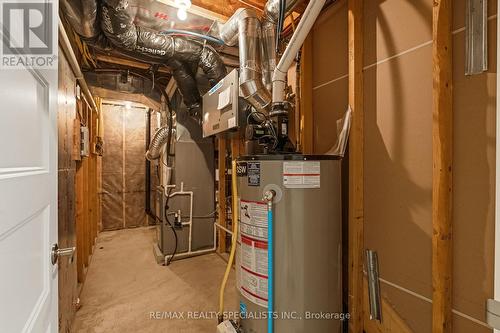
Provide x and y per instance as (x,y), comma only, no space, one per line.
(330,56)
(330,103)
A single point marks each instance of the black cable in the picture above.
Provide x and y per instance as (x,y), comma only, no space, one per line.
(279,26)
(172,227)
(169,139)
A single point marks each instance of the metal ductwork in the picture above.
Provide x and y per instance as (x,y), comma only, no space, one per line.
(269,22)
(257,49)
(244,27)
(159,139)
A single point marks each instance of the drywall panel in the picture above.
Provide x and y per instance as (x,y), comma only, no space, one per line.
(329,104)
(398,168)
(398,151)
(415,312)
(394,26)
(459,12)
(330,67)
(473,179)
(464,325)
(329,54)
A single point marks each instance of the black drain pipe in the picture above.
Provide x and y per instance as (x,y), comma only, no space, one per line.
(149,212)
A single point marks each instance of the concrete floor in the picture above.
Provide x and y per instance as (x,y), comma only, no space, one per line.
(124,286)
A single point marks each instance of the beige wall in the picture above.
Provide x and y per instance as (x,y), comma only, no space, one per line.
(398,151)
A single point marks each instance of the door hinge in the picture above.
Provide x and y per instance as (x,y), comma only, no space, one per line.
(493,313)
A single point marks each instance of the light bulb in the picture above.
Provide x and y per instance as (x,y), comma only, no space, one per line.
(182,14)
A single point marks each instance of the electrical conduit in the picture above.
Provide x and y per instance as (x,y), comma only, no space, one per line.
(234,240)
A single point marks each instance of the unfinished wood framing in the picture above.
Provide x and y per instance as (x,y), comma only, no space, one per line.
(442,136)
(86,192)
(356,217)
(222,193)
(306,99)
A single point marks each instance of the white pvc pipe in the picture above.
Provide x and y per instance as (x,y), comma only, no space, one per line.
(75,66)
(223,228)
(190,222)
(298,38)
(190,252)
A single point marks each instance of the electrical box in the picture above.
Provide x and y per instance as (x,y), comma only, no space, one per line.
(84,141)
(221,106)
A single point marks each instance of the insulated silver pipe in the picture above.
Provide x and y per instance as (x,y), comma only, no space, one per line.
(244,27)
(75,66)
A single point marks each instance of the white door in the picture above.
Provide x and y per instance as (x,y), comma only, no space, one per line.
(28,200)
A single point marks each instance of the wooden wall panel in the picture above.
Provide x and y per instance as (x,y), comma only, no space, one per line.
(67,285)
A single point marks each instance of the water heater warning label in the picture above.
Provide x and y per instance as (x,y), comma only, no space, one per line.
(253,254)
(302,174)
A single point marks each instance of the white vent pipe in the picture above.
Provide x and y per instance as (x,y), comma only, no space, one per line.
(305,25)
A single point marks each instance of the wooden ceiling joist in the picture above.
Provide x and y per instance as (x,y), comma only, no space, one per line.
(129,63)
(228,7)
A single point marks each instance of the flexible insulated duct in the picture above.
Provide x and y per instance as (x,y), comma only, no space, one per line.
(82,15)
(159,139)
(244,27)
(180,53)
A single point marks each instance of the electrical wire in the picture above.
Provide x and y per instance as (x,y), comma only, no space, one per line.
(166,213)
(172,227)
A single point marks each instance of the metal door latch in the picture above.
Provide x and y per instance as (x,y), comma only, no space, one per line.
(493,313)
(56,252)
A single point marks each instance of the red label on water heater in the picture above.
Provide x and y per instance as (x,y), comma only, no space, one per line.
(253,251)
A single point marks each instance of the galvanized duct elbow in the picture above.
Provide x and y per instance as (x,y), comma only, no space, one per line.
(159,139)
(244,27)
(269,21)
(179,52)
(82,15)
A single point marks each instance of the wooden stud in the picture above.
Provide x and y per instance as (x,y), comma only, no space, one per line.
(222,193)
(442,135)
(86,221)
(356,217)
(76,149)
(306,91)
(79,195)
